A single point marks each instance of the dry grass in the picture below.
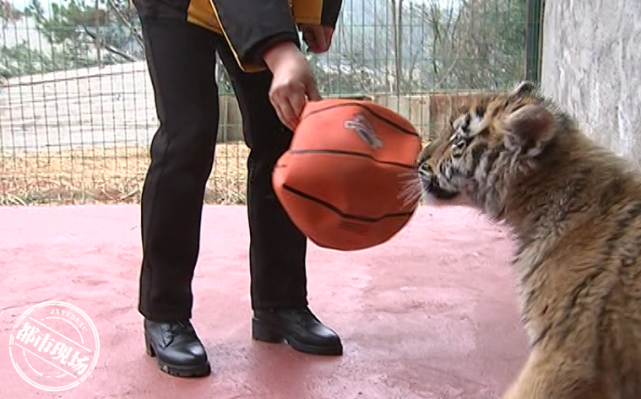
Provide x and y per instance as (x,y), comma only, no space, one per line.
(106,175)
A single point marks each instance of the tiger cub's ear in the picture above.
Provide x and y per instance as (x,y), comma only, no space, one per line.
(524,88)
(529,129)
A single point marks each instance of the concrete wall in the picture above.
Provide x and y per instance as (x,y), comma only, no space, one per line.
(592,65)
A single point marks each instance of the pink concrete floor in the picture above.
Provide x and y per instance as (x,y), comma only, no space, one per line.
(431,314)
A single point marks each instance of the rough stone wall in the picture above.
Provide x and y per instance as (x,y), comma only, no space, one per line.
(592,65)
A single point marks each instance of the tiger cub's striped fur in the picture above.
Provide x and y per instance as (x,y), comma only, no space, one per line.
(574,208)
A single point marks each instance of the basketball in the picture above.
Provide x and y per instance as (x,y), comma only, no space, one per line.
(341,180)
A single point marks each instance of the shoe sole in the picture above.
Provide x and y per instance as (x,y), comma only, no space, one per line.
(174,370)
(264,333)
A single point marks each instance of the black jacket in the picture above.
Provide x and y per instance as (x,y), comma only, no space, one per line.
(250,26)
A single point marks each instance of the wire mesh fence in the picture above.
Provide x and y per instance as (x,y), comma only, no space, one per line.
(77,110)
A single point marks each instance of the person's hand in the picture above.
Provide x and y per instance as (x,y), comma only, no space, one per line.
(317,37)
(293,81)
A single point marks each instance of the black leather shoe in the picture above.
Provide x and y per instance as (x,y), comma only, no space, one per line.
(176,348)
(297,327)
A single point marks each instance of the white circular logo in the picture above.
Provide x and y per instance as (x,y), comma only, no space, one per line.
(54,346)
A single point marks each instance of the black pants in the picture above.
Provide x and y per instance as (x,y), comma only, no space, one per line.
(181,59)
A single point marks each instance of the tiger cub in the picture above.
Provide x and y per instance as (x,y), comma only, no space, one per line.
(574,209)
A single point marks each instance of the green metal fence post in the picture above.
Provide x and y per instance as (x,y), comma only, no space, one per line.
(533,39)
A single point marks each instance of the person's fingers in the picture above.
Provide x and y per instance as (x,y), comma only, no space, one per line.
(276,106)
(289,104)
(329,33)
(312,45)
(291,117)
(315,38)
(297,103)
(274,98)
(285,111)
(312,92)
(319,33)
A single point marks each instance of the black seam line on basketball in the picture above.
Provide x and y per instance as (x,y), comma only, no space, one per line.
(353,153)
(342,214)
(384,119)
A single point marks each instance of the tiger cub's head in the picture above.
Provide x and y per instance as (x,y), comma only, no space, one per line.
(487,146)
